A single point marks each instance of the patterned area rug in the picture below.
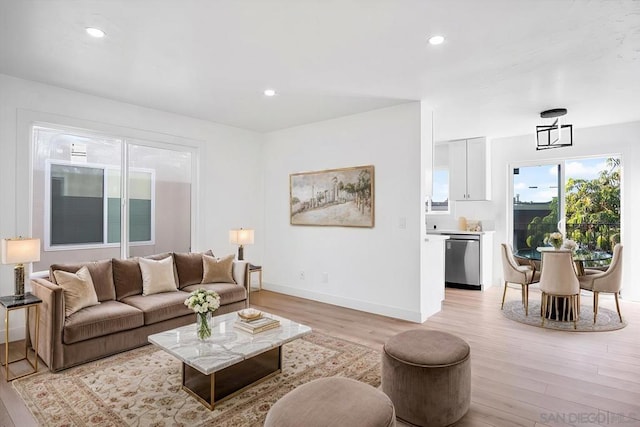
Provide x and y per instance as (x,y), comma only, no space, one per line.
(607,320)
(142,387)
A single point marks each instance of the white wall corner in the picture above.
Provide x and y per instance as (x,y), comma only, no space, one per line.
(431,253)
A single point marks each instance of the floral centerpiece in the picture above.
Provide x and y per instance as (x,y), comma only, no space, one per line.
(555,239)
(570,244)
(203,303)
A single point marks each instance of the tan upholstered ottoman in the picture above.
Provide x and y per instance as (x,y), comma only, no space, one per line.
(334,401)
(427,375)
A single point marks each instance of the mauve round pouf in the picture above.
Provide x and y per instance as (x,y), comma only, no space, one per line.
(427,375)
(334,401)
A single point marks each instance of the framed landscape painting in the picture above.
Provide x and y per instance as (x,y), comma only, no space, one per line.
(334,197)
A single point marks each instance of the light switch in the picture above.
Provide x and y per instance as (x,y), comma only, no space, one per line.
(402,223)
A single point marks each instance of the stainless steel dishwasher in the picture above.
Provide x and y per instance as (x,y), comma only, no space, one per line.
(462,261)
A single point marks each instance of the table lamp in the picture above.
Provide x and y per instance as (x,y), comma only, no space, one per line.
(241,237)
(20,251)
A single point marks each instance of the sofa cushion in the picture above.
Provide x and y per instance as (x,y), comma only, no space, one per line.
(101,273)
(229,292)
(78,290)
(189,267)
(157,276)
(127,276)
(217,270)
(100,320)
(159,307)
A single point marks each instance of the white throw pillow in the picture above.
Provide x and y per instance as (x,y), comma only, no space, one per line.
(157,276)
(78,290)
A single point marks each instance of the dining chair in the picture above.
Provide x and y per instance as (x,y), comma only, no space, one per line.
(609,281)
(513,272)
(558,279)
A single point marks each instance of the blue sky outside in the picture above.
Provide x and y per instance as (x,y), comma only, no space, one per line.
(440,185)
(540,183)
(544,178)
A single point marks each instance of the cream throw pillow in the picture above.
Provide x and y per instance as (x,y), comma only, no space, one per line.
(157,276)
(217,270)
(78,291)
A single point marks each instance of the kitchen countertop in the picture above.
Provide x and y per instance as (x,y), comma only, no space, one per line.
(431,237)
(444,231)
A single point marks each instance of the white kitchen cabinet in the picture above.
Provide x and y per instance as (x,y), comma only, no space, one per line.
(467,159)
(458,170)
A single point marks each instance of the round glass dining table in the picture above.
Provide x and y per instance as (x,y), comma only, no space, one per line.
(581,257)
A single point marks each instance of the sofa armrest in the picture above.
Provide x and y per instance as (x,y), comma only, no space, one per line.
(241,273)
(51,322)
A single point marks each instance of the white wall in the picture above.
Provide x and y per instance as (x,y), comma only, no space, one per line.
(230,170)
(372,269)
(622,139)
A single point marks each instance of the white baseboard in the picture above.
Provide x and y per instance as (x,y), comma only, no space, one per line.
(383,310)
(15,333)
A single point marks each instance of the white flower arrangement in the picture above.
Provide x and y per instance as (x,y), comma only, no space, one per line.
(570,244)
(555,239)
(203,303)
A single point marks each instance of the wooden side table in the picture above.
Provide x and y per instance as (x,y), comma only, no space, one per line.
(10,303)
(255,269)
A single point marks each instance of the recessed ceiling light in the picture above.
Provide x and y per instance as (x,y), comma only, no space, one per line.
(435,40)
(94,32)
(269,92)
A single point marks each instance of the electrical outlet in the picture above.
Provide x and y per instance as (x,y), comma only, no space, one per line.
(325,277)
(301,276)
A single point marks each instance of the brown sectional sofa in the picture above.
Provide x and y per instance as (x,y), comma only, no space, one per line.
(124,318)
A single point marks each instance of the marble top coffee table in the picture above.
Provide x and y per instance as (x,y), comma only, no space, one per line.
(231,360)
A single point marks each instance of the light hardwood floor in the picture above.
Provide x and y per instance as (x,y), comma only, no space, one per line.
(521,375)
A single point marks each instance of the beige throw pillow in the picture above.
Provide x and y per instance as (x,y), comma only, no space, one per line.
(78,291)
(217,270)
(157,276)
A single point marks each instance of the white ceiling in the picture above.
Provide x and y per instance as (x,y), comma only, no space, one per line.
(502,63)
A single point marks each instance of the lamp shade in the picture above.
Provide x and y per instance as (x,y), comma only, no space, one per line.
(242,236)
(19,251)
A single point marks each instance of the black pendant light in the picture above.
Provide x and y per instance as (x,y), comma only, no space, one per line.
(555,135)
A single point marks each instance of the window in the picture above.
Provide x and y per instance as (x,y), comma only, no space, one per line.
(141,192)
(96,196)
(84,205)
(76,208)
(439,202)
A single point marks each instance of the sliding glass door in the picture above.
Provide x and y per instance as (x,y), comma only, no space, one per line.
(578,197)
(536,207)
(158,199)
(73,183)
(592,200)
(80,180)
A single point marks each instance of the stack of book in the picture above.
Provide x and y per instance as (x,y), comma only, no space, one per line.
(260,324)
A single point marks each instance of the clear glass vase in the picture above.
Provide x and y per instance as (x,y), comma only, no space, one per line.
(203,325)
